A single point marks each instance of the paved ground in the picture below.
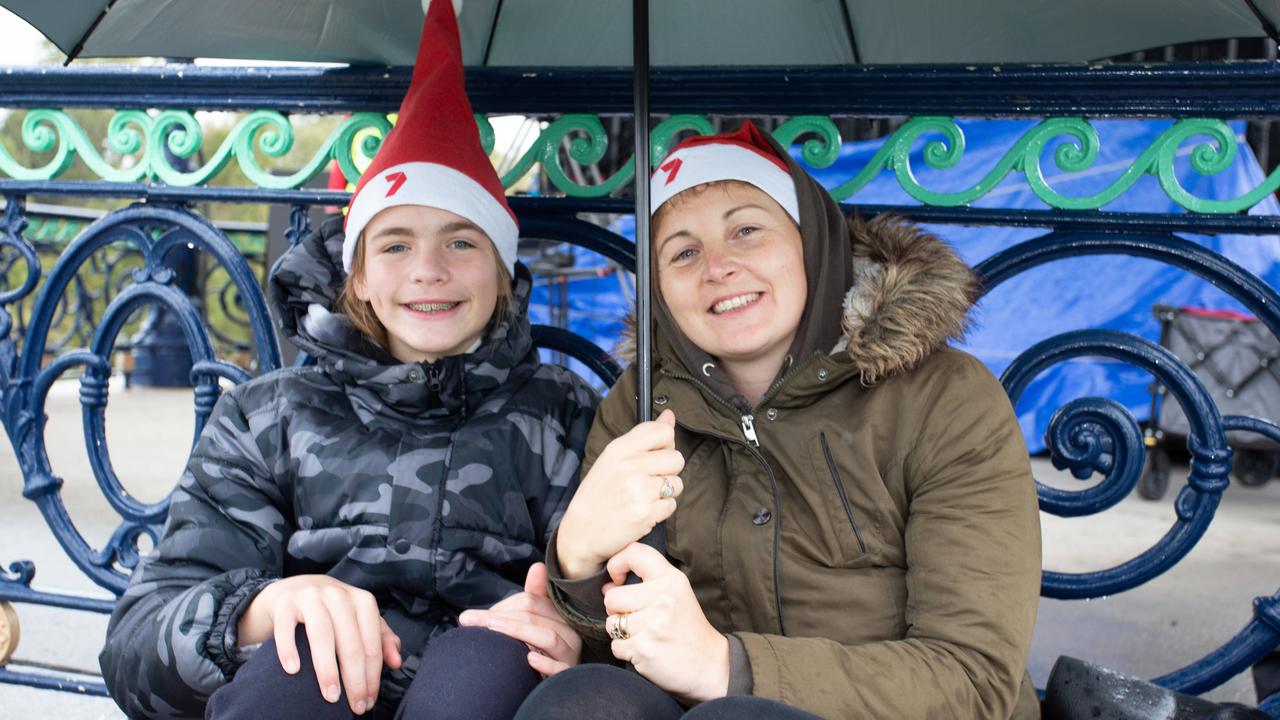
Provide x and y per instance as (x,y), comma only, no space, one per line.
(1146,632)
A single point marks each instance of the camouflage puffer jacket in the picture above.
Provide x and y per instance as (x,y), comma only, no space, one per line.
(434,486)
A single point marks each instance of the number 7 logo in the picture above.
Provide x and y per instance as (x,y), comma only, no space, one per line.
(671,167)
(397,179)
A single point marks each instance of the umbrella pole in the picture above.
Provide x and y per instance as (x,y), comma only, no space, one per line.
(644,316)
(657,537)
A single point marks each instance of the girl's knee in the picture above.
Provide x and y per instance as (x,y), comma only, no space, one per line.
(478,642)
(466,654)
(261,688)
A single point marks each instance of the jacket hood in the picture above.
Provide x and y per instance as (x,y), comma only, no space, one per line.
(305,286)
(910,295)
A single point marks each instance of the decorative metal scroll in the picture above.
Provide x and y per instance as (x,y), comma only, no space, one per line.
(151,231)
(137,139)
(1097,436)
(108,271)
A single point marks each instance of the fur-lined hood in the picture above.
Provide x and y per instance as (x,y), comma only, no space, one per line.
(911,294)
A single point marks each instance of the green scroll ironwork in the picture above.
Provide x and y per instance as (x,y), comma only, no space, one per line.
(137,140)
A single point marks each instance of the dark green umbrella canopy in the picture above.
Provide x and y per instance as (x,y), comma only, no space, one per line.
(533,33)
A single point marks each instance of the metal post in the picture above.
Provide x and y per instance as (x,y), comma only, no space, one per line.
(644,318)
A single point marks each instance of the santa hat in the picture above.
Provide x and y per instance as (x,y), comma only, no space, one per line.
(743,155)
(433,157)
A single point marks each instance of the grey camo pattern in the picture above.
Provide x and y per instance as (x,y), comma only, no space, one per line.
(432,486)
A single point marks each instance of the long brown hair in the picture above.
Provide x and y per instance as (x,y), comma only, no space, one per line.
(366,320)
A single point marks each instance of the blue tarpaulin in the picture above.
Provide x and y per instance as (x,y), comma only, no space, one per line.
(1114,292)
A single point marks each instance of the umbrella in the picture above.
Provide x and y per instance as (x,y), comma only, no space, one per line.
(600,33)
(528,33)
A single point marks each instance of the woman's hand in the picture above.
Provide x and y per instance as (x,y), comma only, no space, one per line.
(670,641)
(530,618)
(344,629)
(621,498)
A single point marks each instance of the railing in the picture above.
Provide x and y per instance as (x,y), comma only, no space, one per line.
(1090,437)
(51,228)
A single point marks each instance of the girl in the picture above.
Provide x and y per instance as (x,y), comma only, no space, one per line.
(851,521)
(333,521)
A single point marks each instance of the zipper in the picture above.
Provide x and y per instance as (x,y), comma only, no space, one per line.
(844,500)
(749,429)
(773,484)
(433,377)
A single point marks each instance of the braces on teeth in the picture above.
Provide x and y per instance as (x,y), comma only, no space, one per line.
(431,307)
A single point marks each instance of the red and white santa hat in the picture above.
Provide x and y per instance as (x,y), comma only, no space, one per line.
(743,155)
(433,156)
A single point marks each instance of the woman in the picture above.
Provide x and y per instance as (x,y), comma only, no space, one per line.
(335,520)
(851,523)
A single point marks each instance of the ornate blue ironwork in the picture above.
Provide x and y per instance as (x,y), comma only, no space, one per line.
(153,231)
(1097,428)
(1094,435)
(1088,436)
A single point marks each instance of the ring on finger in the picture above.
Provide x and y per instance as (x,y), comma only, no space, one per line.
(616,627)
(668,490)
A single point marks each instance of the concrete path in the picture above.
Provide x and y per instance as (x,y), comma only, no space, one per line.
(1146,632)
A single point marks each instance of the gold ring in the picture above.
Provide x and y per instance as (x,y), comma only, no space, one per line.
(616,627)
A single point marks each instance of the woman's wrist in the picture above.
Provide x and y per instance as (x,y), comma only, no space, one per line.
(573,563)
(715,673)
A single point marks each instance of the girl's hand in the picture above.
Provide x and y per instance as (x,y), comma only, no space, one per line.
(531,618)
(344,628)
(671,643)
(620,499)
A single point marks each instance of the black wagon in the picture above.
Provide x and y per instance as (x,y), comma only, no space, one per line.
(1238,360)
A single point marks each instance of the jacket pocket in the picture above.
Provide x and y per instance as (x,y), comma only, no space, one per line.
(844,498)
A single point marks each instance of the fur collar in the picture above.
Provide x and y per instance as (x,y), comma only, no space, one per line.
(911,294)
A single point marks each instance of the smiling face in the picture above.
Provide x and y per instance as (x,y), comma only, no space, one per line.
(432,279)
(730,265)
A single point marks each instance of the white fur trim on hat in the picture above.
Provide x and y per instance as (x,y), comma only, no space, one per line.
(700,164)
(432,185)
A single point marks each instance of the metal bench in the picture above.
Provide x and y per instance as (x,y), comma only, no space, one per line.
(1089,436)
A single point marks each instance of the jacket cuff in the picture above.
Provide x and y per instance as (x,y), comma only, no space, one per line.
(764,666)
(580,602)
(222,647)
(586,595)
(740,682)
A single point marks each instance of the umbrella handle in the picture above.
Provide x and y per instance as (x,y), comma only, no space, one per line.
(657,537)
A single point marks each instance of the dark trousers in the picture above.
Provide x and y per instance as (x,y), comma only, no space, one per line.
(588,692)
(466,673)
